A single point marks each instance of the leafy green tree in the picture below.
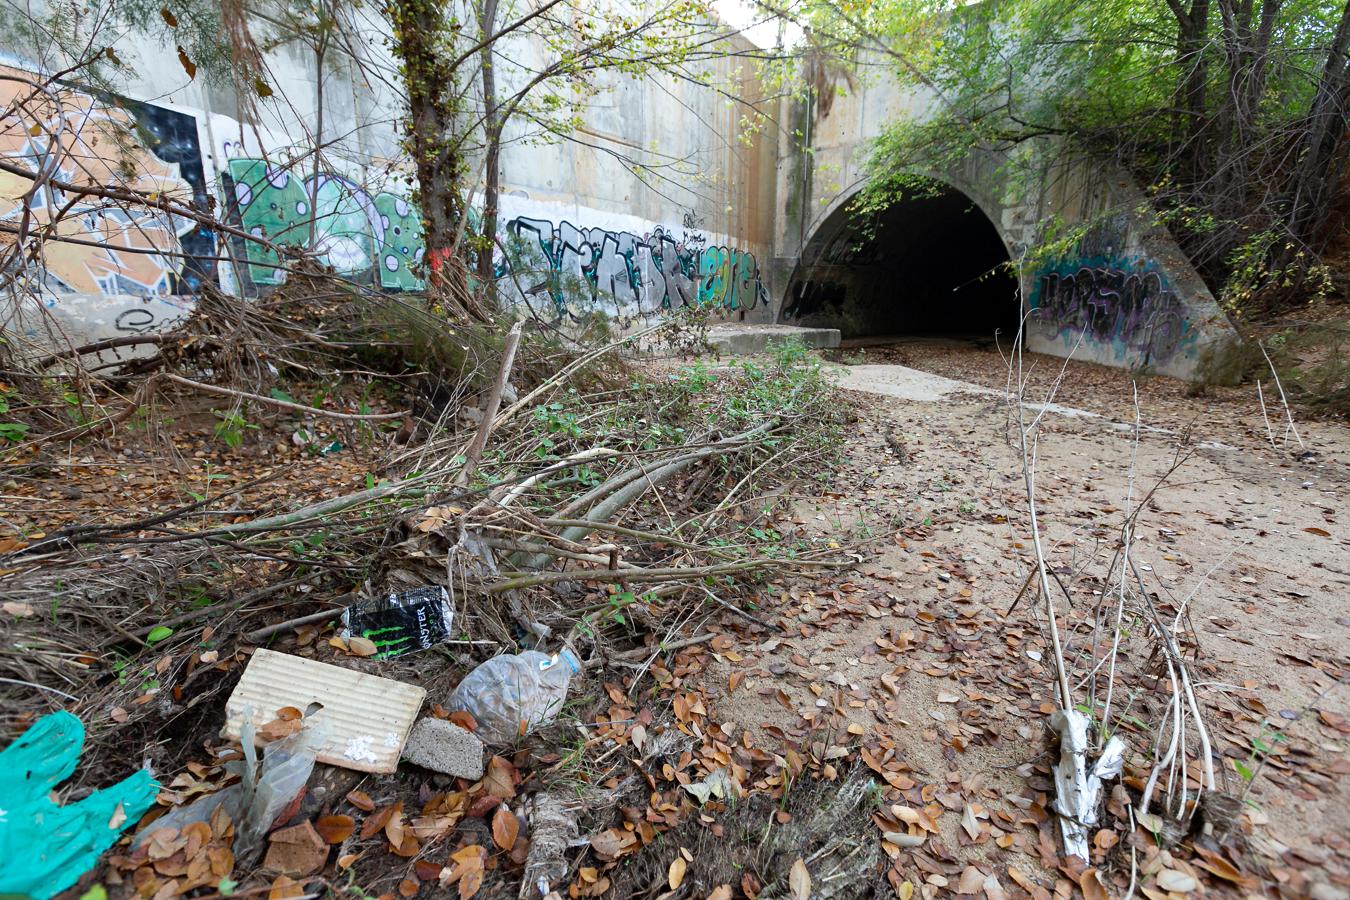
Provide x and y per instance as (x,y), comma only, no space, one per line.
(1231,113)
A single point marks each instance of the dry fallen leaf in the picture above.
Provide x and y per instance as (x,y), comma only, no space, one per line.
(470,883)
(970,823)
(675,875)
(799,881)
(1091,886)
(1173,880)
(500,778)
(359,646)
(505,827)
(376,821)
(972,881)
(464,720)
(335,829)
(285,888)
(904,840)
(427,870)
(614,842)
(393,828)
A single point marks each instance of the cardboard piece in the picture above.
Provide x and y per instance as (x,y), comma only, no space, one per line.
(368,717)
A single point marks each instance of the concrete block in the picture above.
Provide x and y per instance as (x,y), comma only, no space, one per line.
(444,747)
(744,340)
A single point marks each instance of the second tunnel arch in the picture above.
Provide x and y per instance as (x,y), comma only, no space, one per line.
(933,265)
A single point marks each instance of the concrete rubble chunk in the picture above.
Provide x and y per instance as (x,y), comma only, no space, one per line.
(444,747)
(739,339)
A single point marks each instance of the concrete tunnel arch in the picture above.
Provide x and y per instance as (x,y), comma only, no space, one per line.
(933,266)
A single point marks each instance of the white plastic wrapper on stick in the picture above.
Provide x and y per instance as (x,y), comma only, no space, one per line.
(509,696)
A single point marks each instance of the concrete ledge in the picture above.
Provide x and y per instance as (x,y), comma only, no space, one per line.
(744,340)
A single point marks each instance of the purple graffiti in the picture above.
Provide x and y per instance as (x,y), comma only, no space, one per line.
(1135,310)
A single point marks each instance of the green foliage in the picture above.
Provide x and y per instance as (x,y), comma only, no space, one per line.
(231,426)
(158,633)
(1311,358)
(1209,110)
(10,432)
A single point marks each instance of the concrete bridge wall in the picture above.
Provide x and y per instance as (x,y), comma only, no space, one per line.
(1125,296)
(578,229)
(745,228)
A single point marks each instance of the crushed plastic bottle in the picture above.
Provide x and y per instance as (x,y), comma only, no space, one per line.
(264,790)
(510,696)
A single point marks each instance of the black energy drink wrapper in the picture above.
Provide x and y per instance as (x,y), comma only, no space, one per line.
(401,623)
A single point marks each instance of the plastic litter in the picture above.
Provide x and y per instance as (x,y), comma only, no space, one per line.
(1078,789)
(401,623)
(45,848)
(263,791)
(509,696)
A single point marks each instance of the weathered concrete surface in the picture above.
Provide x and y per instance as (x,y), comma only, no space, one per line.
(905,383)
(916,385)
(1124,296)
(901,382)
(444,747)
(744,340)
(580,229)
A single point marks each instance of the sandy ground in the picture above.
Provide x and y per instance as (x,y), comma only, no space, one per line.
(916,646)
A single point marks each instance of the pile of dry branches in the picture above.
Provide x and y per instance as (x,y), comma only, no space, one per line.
(1124,666)
(596,505)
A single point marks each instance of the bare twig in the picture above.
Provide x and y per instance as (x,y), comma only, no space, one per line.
(280,404)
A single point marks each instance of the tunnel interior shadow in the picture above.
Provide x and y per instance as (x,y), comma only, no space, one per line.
(926,266)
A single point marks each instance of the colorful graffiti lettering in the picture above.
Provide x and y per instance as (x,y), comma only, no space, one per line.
(94,248)
(1115,303)
(360,231)
(360,234)
(593,268)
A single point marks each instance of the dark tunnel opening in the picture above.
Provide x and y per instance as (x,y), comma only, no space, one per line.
(930,266)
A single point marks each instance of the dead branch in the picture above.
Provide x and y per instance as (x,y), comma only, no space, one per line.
(475,451)
(281,404)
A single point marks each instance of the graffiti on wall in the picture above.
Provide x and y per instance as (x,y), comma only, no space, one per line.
(93,247)
(106,269)
(365,235)
(625,274)
(1115,302)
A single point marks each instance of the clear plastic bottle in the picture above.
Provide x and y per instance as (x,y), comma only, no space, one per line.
(511,695)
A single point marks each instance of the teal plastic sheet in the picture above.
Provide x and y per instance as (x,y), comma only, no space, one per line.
(45,847)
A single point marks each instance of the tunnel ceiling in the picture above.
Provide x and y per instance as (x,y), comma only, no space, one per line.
(924,266)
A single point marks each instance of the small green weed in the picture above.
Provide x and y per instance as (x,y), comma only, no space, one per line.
(231,427)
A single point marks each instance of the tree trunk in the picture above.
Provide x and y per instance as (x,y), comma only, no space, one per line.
(487,21)
(1192,31)
(420,44)
(1323,146)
